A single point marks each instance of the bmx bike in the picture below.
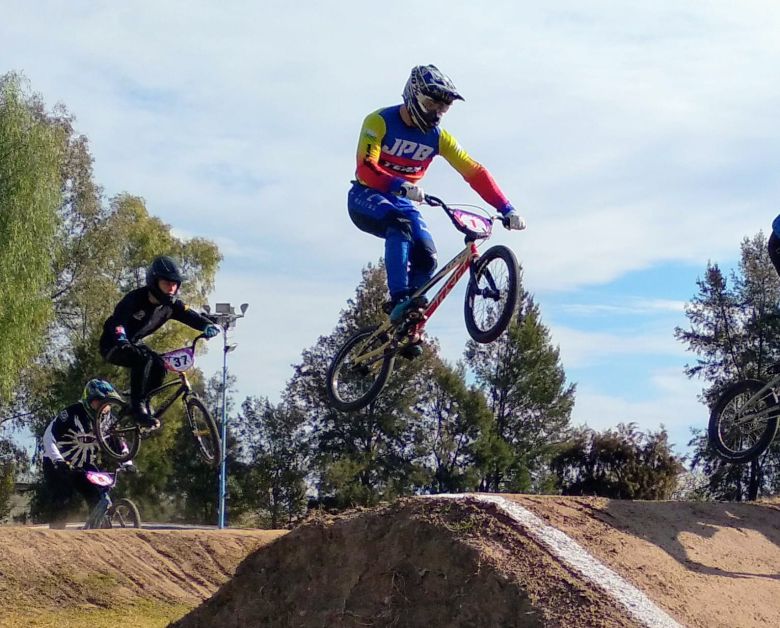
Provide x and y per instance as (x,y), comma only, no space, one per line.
(106,513)
(119,435)
(362,366)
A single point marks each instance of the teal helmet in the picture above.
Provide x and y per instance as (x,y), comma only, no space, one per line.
(98,389)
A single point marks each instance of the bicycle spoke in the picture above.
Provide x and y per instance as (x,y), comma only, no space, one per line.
(741,431)
(360,370)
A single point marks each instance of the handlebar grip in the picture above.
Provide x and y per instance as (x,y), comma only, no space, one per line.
(433,201)
(514,223)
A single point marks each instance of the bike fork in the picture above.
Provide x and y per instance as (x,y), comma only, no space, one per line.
(98,512)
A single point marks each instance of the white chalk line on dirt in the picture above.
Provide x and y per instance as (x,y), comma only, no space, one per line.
(574,556)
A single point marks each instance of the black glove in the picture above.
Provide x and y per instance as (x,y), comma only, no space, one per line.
(61,466)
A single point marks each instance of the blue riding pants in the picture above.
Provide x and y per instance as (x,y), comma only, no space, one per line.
(410,254)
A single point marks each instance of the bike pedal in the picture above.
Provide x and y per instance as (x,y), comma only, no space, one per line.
(148,431)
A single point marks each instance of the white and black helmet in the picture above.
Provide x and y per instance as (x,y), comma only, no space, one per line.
(427,86)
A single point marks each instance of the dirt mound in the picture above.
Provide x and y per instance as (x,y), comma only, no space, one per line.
(47,571)
(417,563)
(709,564)
(450,561)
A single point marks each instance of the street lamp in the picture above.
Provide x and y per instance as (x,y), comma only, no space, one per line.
(226,317)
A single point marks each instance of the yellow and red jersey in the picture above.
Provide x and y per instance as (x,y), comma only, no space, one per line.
(390,153)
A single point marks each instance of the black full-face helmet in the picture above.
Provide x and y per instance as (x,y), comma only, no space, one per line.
(163,267)
(427,95)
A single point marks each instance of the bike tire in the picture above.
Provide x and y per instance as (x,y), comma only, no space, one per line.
(205,431)
(123,514)
(356,394)
(734,443)
(120,425)
(500,302)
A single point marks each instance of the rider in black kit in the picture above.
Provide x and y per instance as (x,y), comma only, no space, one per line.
(140,313)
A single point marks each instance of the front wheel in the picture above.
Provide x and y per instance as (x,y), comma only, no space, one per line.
(491,296)
(205,431)
(743,422)
(123,514)
(360,370)
(117,431)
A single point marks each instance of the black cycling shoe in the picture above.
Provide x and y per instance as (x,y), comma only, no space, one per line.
(142,417)
(413,349)
(410,352)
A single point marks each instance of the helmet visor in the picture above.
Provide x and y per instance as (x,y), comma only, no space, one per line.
(433,105)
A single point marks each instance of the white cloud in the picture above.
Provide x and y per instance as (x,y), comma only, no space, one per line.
(588,348)
(630,135)
(632,306)
(665,399)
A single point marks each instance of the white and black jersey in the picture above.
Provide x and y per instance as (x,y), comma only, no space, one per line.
(70,437)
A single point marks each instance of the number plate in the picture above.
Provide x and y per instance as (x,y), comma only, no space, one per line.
(99,478)
(476,224)
(179,360)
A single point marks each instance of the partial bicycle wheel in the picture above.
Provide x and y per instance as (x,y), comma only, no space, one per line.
(491,296)
(359,371)
(123,514)
(743,422)
(117,431)
(205,431)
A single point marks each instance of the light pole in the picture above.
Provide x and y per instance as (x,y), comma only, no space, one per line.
(225,316)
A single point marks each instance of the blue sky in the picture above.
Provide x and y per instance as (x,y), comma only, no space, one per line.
(639,140)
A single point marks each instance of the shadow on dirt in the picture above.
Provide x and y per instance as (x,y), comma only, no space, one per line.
(666,525)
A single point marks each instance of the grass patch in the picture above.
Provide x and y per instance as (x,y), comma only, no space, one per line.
(140,615)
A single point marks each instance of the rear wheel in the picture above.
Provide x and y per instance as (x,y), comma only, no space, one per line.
(356,377)
(742,425)
(123,514)
(205,431)
(491,296)
(117,431)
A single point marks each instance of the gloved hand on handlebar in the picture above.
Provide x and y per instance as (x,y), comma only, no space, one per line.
(211,331)
(412,192)
(512,220)
(62,466)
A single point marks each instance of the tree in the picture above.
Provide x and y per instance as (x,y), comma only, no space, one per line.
(735,334)
(274,436)
(369,455)
(30,162)
(622,464)
(525,386)
(451,419)
(13,461)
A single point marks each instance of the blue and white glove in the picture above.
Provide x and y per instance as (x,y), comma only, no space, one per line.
(412,192)
(512,220)
(211,331)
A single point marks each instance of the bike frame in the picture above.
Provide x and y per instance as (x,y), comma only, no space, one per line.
(772,387)
(184,390)
(459,264)
(456,268)
(98,512)
(95,516)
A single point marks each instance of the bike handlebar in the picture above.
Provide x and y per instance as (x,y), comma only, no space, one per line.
(435,201)
(198,337)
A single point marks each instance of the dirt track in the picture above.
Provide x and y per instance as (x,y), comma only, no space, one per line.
(420,562)
(55,575)
(709,564)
